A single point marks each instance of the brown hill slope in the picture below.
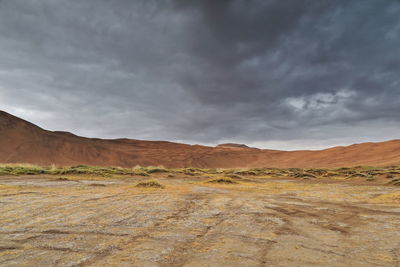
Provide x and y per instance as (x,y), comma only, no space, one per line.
(23,142)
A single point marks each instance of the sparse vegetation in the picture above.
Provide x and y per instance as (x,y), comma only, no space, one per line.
(156,170)
(150,184)
(391,173)
(395,181)
(246,172)
(100,185)
(304,175)
(234,176)
(357,175)
(222,180)
(370,178)
(22,169)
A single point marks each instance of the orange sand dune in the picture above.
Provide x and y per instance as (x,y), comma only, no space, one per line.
(23,142)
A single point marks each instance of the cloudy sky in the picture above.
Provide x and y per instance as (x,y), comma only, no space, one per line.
(293,74)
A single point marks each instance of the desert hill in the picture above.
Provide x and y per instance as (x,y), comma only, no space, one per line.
(233,145)
(24,142)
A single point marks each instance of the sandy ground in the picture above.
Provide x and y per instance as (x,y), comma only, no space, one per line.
(270,222)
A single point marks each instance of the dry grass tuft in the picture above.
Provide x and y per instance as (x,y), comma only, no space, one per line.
(371,174)
(247,172)
(150,184)
(395,181)
(99,185)
(234,176)
(222,180)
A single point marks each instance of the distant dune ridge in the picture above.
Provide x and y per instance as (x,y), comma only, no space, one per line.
(233,145)
(24,142)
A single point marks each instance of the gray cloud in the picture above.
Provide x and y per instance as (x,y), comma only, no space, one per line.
(280,74)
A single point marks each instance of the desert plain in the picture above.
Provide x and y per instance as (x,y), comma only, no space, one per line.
(83,216)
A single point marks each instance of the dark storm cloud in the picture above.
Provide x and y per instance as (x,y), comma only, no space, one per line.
(273,73)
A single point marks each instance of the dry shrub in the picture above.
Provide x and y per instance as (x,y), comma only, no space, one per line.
(246,172)
(234,176)
(304,175)
(395,181)
(159,169)
(150,184)
(222,180)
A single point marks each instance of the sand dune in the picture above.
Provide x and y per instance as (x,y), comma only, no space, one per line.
(24,142)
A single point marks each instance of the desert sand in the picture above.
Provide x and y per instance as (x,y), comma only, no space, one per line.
(23,142)
(94,221)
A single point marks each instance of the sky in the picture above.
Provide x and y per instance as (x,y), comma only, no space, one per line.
(293,74)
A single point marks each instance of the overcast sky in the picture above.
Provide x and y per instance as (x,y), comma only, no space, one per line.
(293,74)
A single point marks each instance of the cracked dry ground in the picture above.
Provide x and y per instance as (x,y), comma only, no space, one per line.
(45,222)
